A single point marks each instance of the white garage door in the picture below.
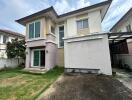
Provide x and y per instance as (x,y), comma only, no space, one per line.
(88,53)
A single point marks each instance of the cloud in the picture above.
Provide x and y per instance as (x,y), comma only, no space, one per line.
(102,0)
(116,11)
(82,3)
(15,9)
(63,6)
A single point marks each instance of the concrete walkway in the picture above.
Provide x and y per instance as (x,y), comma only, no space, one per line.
(124,77)
(87,87)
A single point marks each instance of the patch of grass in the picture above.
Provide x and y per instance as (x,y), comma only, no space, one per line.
(18,85)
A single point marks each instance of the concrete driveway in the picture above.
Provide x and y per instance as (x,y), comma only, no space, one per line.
(124,76)
(87,87)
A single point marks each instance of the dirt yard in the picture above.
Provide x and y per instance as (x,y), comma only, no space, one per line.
(87,87)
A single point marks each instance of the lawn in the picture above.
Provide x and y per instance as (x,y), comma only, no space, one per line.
(18,85)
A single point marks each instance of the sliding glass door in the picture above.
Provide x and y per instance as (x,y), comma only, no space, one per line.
(36,61)
(39,58)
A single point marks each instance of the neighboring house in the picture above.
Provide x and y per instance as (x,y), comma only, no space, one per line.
(7,36)
(45,47)
(124,25)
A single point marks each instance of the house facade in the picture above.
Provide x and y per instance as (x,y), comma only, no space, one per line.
(46,32)
(7,36)
(125,25)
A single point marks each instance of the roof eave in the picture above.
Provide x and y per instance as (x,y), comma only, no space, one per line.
(22,20)
(109,2)
(88,8)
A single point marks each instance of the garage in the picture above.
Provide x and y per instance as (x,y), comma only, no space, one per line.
(120,49)
(88,54)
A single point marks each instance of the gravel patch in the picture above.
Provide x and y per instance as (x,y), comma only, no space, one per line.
(87,87)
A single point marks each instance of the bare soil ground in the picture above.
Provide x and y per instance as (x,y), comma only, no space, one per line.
(87,87)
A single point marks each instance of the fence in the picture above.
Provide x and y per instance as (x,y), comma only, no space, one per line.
(10,62)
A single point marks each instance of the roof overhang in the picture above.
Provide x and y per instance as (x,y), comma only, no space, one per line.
(119,36)
(44,13)
(50,12)
(103,7)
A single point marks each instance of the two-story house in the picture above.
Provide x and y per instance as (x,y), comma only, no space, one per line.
(7,36)
(125,25)
(46,30)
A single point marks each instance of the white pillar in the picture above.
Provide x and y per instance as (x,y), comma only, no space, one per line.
(50,59)
(28,58)
(50,51)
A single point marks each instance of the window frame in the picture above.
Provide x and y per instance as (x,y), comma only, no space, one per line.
(128,28)
(34,22)
(32,55)
(59,35)
(29,30)
(6,39)
(52,28)
(35,29)
(34,58)
(82,23)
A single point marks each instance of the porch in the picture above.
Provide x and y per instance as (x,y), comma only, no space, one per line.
(41,53)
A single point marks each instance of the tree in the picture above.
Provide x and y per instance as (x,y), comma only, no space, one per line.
(16,49)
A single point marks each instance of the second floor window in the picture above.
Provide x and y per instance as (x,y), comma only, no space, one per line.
(34,29)
(52,30)
(5,39)
(61,35)
(0,39)
(128,28)
(81,24)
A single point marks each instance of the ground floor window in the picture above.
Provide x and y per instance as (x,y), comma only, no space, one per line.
(39,58)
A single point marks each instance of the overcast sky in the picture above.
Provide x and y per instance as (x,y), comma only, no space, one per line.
(12,10)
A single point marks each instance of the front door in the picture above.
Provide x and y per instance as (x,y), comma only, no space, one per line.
(39,58)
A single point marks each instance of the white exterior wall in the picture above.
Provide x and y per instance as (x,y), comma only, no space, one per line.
(10,38)
(3,54)
(88,52)
(51,50)
(94,21)
(71,27)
